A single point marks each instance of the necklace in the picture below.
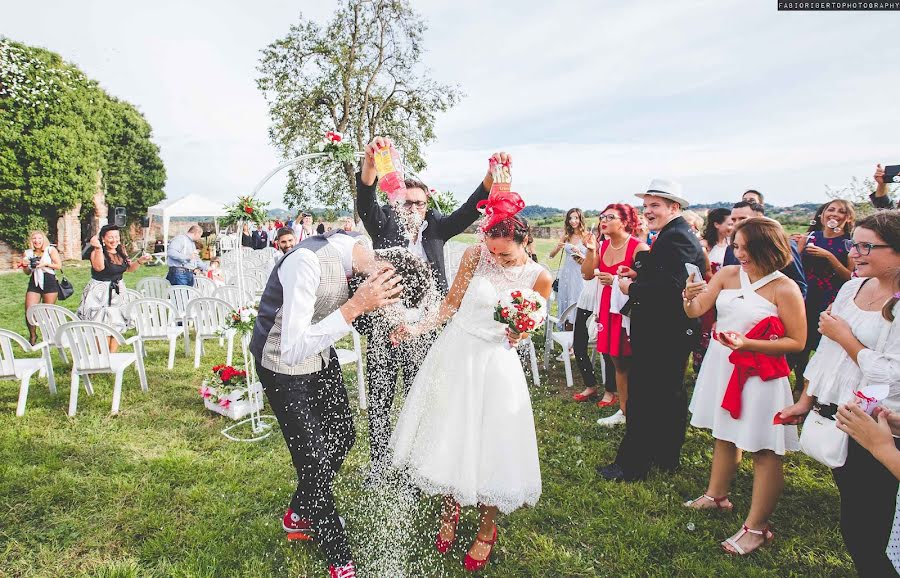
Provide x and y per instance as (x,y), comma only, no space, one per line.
(614,248)
(883,297)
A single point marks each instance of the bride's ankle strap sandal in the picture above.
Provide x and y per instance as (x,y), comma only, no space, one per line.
(731,544)
(723,503)
(473,565)
(442,545)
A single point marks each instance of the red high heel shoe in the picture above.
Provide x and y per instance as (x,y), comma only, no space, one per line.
(473,565)
(444,545)
(613,401)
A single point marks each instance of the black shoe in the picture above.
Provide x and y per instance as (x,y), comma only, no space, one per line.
(614,473)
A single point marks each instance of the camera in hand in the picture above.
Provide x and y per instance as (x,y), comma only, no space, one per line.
(33,262)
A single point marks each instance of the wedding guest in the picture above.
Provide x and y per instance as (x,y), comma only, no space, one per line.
(260,237)
(304,309)
(662,336)
(880,198)
(715,240)
(408,223)
(466,430)
(753,196)
(618,222)
(303,226)
(860,346)
(827,266)
(183,258)
(744,210)
(246,236)
(347,224)
(571,243)
(695,221)
(40,263)
(214,272)
(103,298)
(760,319)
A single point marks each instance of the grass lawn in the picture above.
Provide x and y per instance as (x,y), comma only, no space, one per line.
(158,491)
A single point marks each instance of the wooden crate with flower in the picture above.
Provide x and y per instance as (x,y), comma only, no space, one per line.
(226,392)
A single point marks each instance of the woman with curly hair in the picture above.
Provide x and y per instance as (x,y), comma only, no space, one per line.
(618,222)
(40,263)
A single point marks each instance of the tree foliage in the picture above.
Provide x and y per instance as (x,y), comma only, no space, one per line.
(57,129)
(360,75)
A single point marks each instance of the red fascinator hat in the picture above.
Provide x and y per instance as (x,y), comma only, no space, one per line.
(498,206)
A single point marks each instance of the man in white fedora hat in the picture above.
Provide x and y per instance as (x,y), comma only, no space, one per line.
(662,336)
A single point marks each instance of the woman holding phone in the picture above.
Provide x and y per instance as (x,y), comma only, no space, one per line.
(569,275)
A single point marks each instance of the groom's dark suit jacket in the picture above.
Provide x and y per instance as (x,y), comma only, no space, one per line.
(382,225)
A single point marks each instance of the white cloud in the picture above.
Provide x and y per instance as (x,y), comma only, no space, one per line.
(593,98)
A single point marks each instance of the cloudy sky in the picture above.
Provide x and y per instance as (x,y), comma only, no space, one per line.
(592,98)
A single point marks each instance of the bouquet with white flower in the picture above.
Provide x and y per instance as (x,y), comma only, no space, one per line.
(522,310)
(242,320)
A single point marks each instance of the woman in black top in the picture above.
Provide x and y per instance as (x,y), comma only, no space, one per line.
(40,263)
(104,296)
(246,236)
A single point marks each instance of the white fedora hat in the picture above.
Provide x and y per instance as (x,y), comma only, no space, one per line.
(666,190)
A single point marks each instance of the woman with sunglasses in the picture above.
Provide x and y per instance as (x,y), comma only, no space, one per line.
(827,266)
(860,346)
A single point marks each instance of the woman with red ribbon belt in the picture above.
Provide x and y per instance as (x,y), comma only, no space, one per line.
(743,381)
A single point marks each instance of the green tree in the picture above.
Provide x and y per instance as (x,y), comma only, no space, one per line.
(57,129)
(359,75)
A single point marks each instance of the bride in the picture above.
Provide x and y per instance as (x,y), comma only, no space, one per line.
(466,430)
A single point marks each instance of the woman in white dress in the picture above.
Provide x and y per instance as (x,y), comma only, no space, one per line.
(570,278)
(744,296)
(466,430)
(860,346)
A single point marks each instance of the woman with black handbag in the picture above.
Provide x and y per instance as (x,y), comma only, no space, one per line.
(40,263)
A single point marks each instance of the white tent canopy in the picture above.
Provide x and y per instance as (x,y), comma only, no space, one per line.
(191,205)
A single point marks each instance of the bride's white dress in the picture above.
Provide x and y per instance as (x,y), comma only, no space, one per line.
(466,428)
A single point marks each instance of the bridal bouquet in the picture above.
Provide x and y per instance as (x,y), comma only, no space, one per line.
(522,310)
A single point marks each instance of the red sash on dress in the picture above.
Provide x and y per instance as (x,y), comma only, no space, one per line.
(751,363)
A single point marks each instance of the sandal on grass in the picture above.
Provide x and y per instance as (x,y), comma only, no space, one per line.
(723,503)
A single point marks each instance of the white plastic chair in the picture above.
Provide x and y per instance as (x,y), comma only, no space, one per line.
(48,318)
(231,294)
(204,285)
(210,315)
(88,341)
(346,356)
(154,320)
(179,296)
(532,356)
(251,284)
(23,369)
(549,324)
(565,340)
(155,287)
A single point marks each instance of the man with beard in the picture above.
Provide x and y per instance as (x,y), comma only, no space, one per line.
(411,224)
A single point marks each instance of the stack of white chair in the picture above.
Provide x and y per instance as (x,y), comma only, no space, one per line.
(204,285)
(89,345)
(346,356)
(23,369)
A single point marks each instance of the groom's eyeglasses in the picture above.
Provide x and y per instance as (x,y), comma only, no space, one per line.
(415,204)
(862,248)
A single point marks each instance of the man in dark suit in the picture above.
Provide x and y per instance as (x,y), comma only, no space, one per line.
(662,336)
(405,223)
(746,209)
(260,238)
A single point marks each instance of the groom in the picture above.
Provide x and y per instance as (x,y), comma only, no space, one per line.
(303,311)
(422,230)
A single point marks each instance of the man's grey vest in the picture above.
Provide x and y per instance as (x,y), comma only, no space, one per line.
(332,292)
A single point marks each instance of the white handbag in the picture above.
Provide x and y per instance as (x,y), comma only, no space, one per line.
(820,437)
(821,440)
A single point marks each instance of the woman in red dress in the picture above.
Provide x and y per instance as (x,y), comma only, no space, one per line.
(618,222)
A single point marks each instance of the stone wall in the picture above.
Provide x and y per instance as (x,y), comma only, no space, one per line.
(9,257)
(68,233)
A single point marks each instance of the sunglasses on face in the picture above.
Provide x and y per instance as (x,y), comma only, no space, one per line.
(862,248)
